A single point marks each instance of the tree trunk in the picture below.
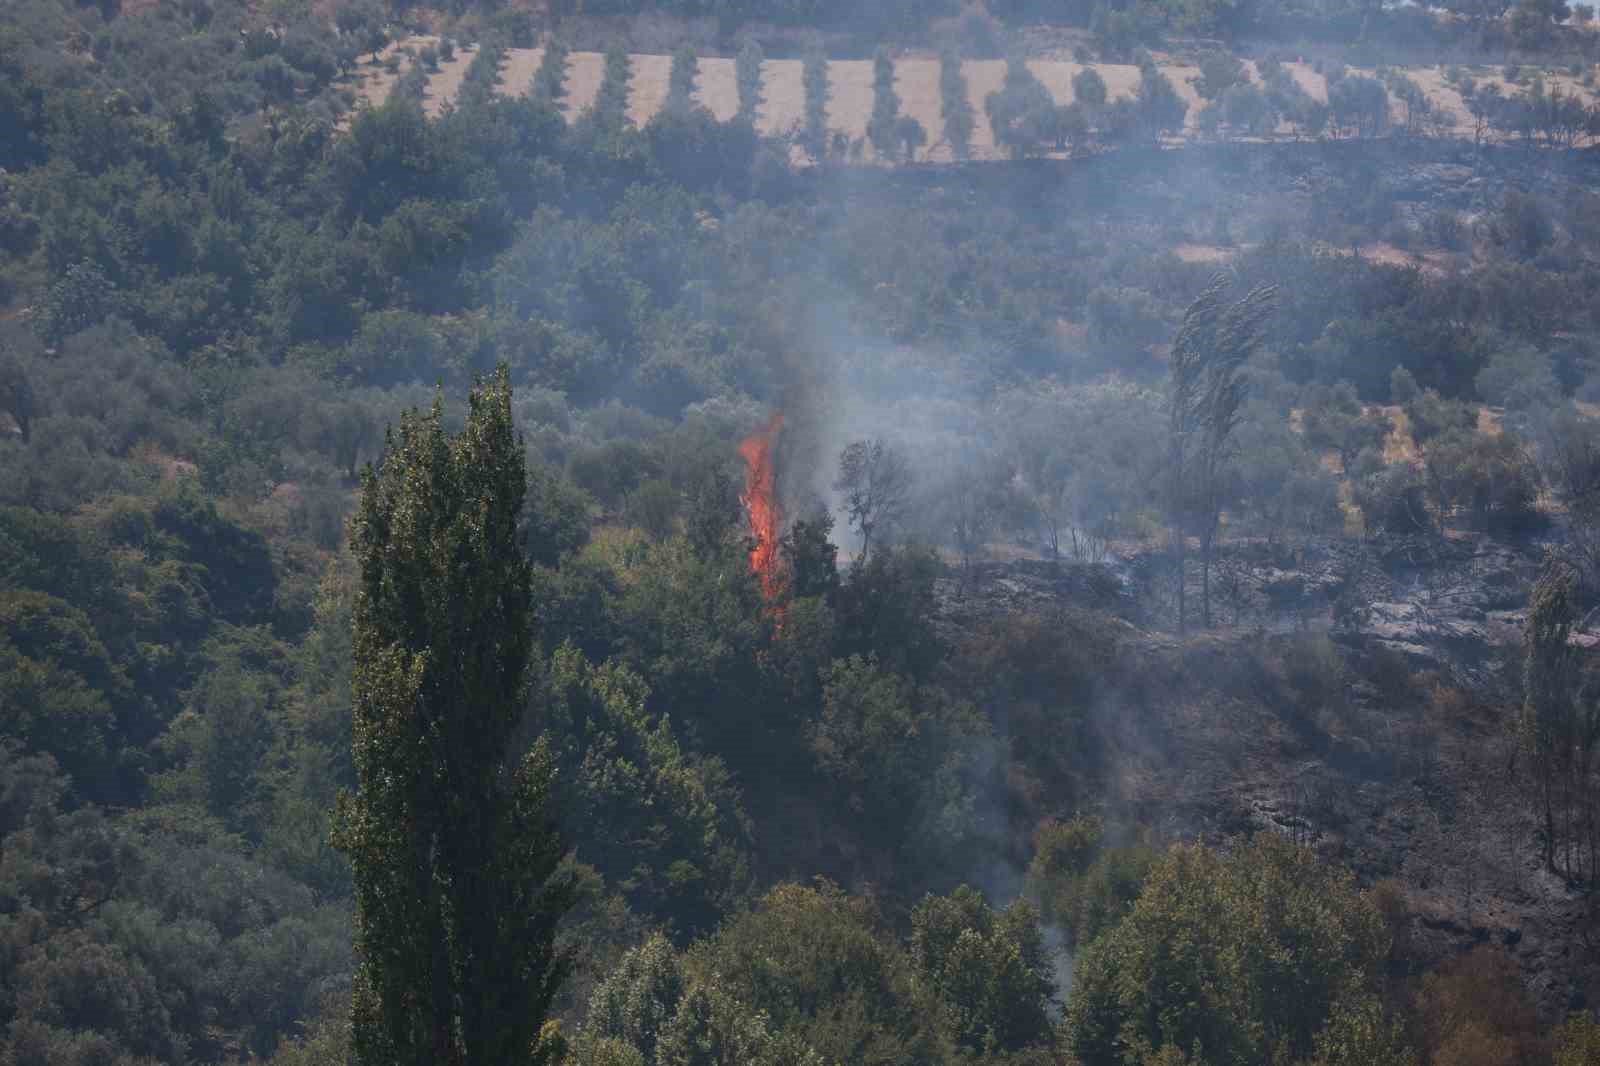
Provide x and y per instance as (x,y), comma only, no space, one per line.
(1178,552)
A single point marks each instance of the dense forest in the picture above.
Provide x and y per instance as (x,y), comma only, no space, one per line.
(488,587)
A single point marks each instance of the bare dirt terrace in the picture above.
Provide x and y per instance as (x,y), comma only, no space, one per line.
(916,81)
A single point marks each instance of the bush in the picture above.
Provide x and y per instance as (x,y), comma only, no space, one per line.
(1474,1009)
(1359,105)
(990,968)
(1393,499)
(1486,477)
(1250,954)
(1084,887)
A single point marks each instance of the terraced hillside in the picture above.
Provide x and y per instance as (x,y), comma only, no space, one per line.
(916,81)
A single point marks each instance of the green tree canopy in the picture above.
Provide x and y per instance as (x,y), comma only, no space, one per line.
(1244,954)
(449,834)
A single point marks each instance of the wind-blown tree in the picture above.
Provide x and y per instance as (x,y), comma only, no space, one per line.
(453,852)
(16,394)
(747,74)
(1560,727)
(1208,387)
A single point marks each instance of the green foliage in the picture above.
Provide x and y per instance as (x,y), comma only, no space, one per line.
(885,106)
(1577,1040)
(238,283)
(1244,955)
(1357,1032)
(1489,479)
(1157,105)
(1085,456)
(1247,109)
(893,755)
(650,1011)
(814,78)
(662,824)
(811,961)
(990,968)
(610,107)
(747,76)
(1089,89)
(886,608)
(550,80)
(1476,1005)
(1333,418)
(1021,112)
(454,865)
(875,479)
(955,104)
(1084,887)
(1359,106)
(680,81)
(1219,72)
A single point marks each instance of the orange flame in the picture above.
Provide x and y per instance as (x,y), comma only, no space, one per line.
(761,504)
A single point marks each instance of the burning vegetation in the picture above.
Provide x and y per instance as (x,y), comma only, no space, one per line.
(761,503)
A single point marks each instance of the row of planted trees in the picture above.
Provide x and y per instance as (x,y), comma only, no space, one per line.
(1023,115)
(1026,120)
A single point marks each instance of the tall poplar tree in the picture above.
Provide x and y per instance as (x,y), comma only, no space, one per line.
(1207,390)
(450,837)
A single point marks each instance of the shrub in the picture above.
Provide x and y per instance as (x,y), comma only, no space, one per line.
(1474,1009)
(1251,954)
(1082,886)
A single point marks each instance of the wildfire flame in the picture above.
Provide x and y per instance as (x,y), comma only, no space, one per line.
(761,503)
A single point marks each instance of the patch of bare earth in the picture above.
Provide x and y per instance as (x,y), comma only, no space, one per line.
(717,88)
(516,77)
(374,81)
(585,71)
(1204,253)
(445,86)
(1398,446)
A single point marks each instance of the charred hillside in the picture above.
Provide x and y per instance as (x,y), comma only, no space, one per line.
(1358,697)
